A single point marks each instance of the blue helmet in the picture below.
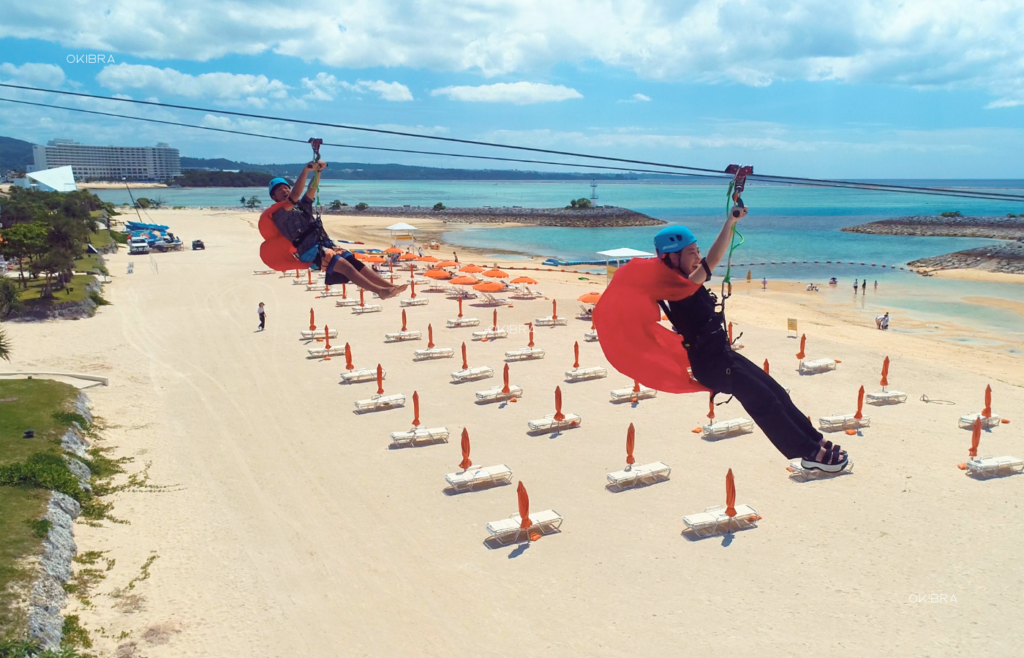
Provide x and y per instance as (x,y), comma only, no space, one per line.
(672,239)
(274,182)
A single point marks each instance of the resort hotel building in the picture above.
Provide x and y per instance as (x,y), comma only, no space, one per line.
(158,163)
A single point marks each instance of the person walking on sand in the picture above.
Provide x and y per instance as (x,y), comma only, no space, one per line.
(856,284)
(764,283)
(864,287)
(876,284)
(263,316)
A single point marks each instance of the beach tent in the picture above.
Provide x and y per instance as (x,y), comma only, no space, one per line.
(401,234)
(619,255)
(60,179)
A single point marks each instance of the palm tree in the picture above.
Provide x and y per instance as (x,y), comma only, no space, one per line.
(5,346)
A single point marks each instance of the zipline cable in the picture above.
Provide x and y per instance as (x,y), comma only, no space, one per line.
(781,179)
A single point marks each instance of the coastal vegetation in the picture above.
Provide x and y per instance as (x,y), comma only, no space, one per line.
(200,178)
(580,204)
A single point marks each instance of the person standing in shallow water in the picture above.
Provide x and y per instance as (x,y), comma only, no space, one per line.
(263,316)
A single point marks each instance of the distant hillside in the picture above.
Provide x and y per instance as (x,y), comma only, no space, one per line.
(14,154)
(364,171)
(197,178)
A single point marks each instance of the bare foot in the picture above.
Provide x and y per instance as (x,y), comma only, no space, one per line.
(395,290)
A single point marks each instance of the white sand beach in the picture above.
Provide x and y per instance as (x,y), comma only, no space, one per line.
(289,527)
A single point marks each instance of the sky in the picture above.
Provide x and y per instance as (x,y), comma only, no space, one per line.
(860,89)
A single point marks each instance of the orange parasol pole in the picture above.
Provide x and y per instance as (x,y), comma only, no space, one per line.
(885,373)
(530,325)
(576,353)
(465,463)
(554,309)
(506,388)
(391,266)
(430,337)
(465,364)
(987,412)
(296,274)
(327,288)
(730,333)
(412,286)
(636,391)
(460,307)
(524,507)
(730,495)
(348,357)
(327,342)
(362,301)
(803,344)
(495,327)
(380,380)
(766,366)
(975,437)
(559,416)
(415,409)
(860,404)
(630,440)
(412,271)
(711,406)
(344,291)
(312,326)
(403,320)
(309,276)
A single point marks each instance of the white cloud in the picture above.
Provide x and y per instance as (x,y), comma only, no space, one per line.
(389,91)
(641,97)
(32,75)
(324,87)
(1004,102)
(251,89)
(520,93)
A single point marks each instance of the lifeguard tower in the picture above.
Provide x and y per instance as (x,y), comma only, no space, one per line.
(402,235)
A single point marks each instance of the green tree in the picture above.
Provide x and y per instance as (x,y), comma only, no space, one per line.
(253,202)
(362,205)
(9,301)
(336,205)
(438,206)
(24,242)
(583,203)
(143,202)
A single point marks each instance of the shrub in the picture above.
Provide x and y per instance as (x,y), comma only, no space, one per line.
(954,213)
(439,206)
(40,527)
(9,302)
(45,470)
(362,205)
(98,299)
(335,205)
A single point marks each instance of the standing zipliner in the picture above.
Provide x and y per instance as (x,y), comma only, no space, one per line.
(627,321)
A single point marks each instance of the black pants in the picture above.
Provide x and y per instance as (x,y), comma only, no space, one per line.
(263,321)
(725,371)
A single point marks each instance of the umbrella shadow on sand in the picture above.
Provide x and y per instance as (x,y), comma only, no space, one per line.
(521,547)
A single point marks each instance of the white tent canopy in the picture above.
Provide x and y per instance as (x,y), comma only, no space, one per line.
(624,252)
(401,226)
(61,179)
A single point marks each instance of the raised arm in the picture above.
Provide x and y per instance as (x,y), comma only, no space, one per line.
(300,183)
(721,245)
(317,168)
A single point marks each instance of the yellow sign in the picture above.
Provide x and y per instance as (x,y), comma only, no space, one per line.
(791,324)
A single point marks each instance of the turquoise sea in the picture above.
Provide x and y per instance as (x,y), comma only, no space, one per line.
(785,224)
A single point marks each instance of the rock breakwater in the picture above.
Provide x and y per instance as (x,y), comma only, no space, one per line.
(998,228)
(604,216)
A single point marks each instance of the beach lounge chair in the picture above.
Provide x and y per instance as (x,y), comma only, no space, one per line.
(400,336)
(316,287)
(494,394)
(346,302)
(457,323)
(320,352)
(988,467)
(456,293)
(380,402)
(799,473)
(369,308)
(438,286)
(549,424)
(524,354)
(471,374)
(433,353)
(886,397)
(639,474)
(583,374)
(420,436)
(842,422)
(533,294)
(333,292)
(303,281)
(263,271)
(586,312)
(816,366)
(364,375)
(509,530)
(590,336)
(419,301)
(479,477)
(726,428)
(626,394)
(306,334)
(967,422)
(550,321)
(491,300)
(490,334)
(714,520)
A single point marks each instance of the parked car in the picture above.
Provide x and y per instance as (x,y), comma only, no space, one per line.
(198,244)
(138,246)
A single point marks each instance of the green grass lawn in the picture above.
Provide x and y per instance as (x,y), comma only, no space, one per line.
(101,238)
(78,282)
(37,401)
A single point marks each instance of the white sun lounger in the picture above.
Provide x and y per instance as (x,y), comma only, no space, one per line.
(320,352)
(842,422)
(399,336)
(369,308)
(583,374)
(477,476)
(420,436)
(470,374)
(524,354)
(491,300)
(334,292)
(438,286)
(639,474)
(549,424)
(586,312)
(263,271)
(433,353)
(313,335)
(490,334)
(457,293)
(590,336)
(988,467)
(714,520)
(967,422)
(381,402)
(727,428)
(457,323)
(346,302)
(364,375)
(886,397)
(302,281)
(531,294)
(316,287)
(623,394)
(798,472)
(413,302)
(508,530)
(494,394)
(816,366)
(551,322)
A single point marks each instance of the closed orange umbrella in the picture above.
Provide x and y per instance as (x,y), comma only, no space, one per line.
(344,291)
(464,281)
(430,336)
(730,495)
(465,364)
(403,319)
(530,325)
(312,325)
(975,437)
(348,357)
(495,327)
(392,250)
(446,263)
(460,307)
(437,274)
(630,439)
(860,404)
(559,416)
(504,374)
(427,259)
(496,274)
(730,333)
(380,380)
(554,309)
(711,406)
(987,412)
(415,409)
(309,277)
(766,366)
(327,342)
(465,463)
(408,256)
(524,507)
(576,353)
(489,286)
(525,279)
(362,301)
(803,344)
(589,298)
(885,373)
(412,289)
(471,269)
